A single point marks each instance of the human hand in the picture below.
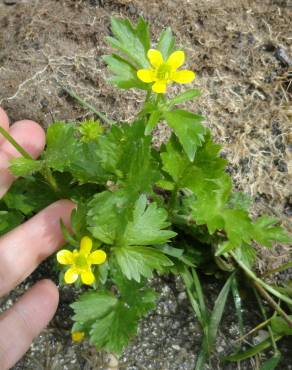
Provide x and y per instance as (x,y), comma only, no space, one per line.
(22,249)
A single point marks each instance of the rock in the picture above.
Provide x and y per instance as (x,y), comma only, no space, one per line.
(283,57)
(10,2)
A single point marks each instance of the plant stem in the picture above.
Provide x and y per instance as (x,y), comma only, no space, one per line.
(258,327)
(45,172)
(253,276)
(272,303)
(85,104)
(265,317)
(278,269)
(18,147)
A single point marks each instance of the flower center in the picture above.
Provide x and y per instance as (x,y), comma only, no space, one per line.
(81,261)
(163,72)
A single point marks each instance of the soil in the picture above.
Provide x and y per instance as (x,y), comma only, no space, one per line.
(242,53)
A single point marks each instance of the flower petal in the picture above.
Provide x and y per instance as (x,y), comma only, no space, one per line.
(183,77)
(87,277)
(97,257)
(65,257)
(70,276)
(176,59)
(85,245)
(146,75)
(159,87)
(155,58)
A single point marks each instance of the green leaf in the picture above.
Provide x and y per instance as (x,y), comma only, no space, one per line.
(137,164)
(152,122)
(61,145)
(78,220)
(125,75)
(66,152)
(22,166)
(111,321)
(187,127)
(106,216)
(252,351)
(147,225)
(9,220)
(240,200)
(217,314)
(166,43)
(280,326)
(272,362)
(137,261)
(128,154)
(136,294)
(132,41)
(92,305)
(29,195)
(85,164)
(183,97)
(265,231)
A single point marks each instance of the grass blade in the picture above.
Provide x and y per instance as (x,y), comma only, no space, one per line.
(272,362)
(237,304)
(217,314)
(200,296)
(252,351)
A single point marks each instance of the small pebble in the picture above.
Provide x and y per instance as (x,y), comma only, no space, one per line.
(10,2)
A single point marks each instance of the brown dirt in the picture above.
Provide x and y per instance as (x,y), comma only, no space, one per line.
(235,46)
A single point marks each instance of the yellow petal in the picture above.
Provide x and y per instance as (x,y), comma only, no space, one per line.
(85,245)
(77,336)
(159,87)
(146,75)
(97,257)
(176,59)
(155,58)
(65,257)
(87,277)
(70,276)
(183,77)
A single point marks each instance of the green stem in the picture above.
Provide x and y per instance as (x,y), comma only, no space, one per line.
(253,276)
(258,327)
(278,269)
(18,147)
(173,199)
(147,96)
(272,303)
(265,318)
(47,173)
(87,105)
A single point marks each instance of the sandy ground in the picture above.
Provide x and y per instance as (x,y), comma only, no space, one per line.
(242,53)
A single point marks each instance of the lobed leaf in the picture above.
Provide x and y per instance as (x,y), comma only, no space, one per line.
(187,127)
(166,43)
(137,261)
(22,166)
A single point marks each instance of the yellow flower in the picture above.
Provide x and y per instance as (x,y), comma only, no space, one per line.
(81,261)
(162,73)
(77,336)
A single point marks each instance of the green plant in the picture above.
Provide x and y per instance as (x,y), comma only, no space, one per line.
(142,210)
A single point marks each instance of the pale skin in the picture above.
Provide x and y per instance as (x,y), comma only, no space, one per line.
(23,249)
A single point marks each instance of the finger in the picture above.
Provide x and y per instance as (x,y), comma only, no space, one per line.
(23,322)
(31,137)
(22,249)
(4,122)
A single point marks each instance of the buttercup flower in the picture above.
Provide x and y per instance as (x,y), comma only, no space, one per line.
(81,261)
(162,73)
(77,336)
